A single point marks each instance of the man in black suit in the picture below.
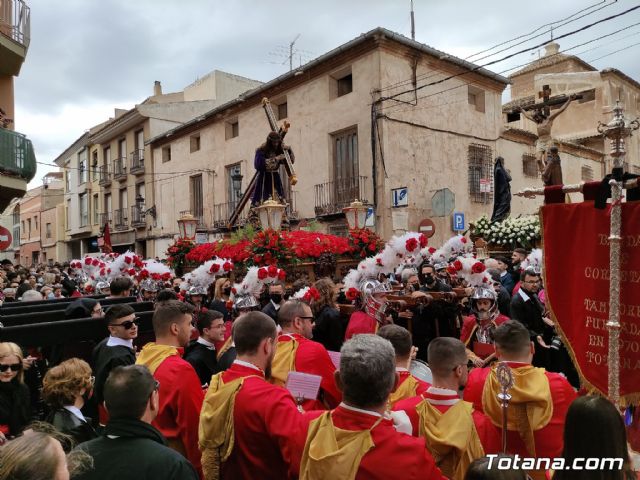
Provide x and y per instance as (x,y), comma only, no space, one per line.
(276,300)
(528,310)
(201,353)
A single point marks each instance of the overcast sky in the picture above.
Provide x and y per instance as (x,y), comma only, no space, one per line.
(89,56)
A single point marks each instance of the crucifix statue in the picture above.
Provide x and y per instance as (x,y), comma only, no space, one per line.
(546,154)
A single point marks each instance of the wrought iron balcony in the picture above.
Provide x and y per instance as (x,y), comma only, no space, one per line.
(120,168)
(222,213)
(137,216)
(121,220)
(332,197)
(137,162)
(105,218)
(17,158)
(105,176)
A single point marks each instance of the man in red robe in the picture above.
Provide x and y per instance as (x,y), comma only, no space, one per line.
(359,439)
(434,411)
(374,302)
(408,385)
(542,397)
(295,351)
(180,390)
(247,424)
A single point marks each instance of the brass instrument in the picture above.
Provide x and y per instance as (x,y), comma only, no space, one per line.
(288,164)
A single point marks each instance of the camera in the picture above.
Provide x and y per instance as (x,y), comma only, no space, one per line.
(556,342)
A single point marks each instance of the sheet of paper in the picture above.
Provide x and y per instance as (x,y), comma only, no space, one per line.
(303,385)
(335,358)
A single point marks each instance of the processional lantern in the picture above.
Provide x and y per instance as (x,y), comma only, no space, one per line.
(270,213)
(187,225)
(356,214)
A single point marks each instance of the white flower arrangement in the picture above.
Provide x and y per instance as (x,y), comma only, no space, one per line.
(522,231)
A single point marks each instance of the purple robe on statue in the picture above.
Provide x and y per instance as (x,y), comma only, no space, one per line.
(268,183)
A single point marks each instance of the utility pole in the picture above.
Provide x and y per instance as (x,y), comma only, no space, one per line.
(413,23)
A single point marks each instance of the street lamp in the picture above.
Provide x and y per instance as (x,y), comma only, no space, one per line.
(356,214)
(187,225)
(236,181)
(270,214)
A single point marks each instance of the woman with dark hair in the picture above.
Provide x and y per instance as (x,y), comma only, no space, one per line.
(486,469)
(83,308)
(594,429)
(328,328)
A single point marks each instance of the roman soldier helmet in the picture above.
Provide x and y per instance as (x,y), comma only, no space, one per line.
(197,290)
(372,305)
(484,293)
(102,287)
(245,303)
(149,285)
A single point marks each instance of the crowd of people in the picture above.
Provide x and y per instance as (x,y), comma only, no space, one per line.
(209,396)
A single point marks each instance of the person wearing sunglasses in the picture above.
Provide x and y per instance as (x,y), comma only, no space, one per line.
(66,388)
(294,347)
(115,350)
(15,404)
(130,447)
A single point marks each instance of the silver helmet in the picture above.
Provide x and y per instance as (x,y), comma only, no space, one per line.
(373,306)
(484,293)
(102,287)
(196,290)
(243,303)
(149,285)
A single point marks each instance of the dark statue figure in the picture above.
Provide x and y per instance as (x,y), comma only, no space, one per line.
(269,157)
(502,195)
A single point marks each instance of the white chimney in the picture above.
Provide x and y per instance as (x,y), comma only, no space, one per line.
(157,88)
(551,49)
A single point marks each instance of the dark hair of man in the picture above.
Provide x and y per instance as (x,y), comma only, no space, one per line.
(290,310)
(588,418)
(117,311)
(529,273)
(168,313)
(165,295)
(250,329)
(521,251)
(119,285)
(205,319)
(426,264)
(504,260)
(399,337)
(512,337)
(127,391)
(444,354)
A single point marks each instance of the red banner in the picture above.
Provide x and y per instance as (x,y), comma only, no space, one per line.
(576,261)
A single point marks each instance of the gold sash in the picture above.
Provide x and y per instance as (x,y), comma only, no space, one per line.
(226,346)
(530,407)
(331,452)
(451,437)
(152,355)
(216,430)
(284,361)
(406,389)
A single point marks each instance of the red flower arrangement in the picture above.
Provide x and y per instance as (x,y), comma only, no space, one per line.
(411,244)
(478,267)
(364,243)
(176,254)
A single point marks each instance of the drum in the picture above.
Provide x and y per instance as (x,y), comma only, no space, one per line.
(421,370)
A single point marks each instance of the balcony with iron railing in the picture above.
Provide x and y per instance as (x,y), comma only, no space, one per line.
(120,219)
(137,162)
(222,213)
(105,218)
(17,165)
(105,176)
(15,35)
(120,168)
(137,216)
(332,197)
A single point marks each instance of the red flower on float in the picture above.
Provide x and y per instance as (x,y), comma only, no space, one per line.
(457,265)
(423,240)
(352,293)
(262,273)
(214,268)
(411,244)
(478,267)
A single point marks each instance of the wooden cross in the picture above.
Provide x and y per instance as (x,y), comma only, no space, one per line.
(545,94)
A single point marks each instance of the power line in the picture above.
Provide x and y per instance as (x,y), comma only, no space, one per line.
(478,67)
(426,75)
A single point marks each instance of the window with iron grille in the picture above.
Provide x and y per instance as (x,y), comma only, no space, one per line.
(529,165)
(480,173)
(587,173)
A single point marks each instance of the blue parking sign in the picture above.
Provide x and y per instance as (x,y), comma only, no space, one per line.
(458,221)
